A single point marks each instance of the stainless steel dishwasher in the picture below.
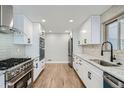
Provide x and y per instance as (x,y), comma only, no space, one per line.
(112,82)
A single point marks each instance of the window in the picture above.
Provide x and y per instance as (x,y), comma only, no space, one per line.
(122,33)
(112,33)
(115,33)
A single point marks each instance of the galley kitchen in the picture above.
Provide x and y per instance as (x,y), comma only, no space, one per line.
(61,46)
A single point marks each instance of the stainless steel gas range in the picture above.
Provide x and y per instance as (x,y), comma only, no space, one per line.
(16,73)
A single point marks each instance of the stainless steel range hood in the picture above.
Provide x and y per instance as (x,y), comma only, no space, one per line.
(6,19)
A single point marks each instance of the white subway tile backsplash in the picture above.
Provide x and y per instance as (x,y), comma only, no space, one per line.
(8,49)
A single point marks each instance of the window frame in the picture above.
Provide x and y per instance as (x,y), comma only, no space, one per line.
(105,24)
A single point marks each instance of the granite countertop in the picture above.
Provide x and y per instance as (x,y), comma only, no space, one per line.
(117,72)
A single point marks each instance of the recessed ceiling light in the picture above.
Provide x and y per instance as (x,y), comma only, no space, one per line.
(84,31)
(71,20)
(44,31)
(67,31)
(43,20)
(50,31)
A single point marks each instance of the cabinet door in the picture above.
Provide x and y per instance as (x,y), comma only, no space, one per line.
(28,29)
(94,80)
(86,32)
(2,81)
(36,69)
(90,31)
(80,70)
(92,76)
(19,25)
(23,25)
(43,64)
(74,63)
(85,75)
(33,49)
(95,27)
(77,65)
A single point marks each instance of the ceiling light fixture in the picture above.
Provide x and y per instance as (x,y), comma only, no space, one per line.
(71,20)
(43,30)
(43,20)
(50,31)
(67,31)
(84,31)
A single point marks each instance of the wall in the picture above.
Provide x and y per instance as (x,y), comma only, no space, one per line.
(8,49)
(56,47)
(112,12)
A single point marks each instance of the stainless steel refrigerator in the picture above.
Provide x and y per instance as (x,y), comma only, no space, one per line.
(70,51)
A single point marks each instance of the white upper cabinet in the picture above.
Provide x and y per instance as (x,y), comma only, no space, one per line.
(33,49)
(25,28)
(90,31)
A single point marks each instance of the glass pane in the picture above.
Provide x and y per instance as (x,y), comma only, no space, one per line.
(113,34)
(122,33)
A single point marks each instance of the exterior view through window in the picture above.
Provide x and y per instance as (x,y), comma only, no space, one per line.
(115,33)
(112,31)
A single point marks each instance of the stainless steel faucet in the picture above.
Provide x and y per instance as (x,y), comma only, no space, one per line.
(112,57)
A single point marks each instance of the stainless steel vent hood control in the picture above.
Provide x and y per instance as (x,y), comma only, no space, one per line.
(6,19)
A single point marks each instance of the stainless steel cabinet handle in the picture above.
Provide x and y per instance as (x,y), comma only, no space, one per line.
(80,63)
(36,60)
(89,75)
(36,65)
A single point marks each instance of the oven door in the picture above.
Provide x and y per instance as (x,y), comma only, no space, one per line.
(42,48)
(24,82)
(42,42)
(42,54)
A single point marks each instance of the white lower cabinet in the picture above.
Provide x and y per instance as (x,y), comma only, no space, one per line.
(75,63)
(2,82)
(91,76)
(80,70)
(92,79)
(38,67)
(78,66)
(42,64)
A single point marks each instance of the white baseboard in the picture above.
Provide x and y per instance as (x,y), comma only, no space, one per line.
(57,62)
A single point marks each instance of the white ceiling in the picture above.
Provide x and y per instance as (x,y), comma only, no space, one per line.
(58,16)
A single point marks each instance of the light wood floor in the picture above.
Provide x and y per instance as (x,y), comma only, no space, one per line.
(58,76)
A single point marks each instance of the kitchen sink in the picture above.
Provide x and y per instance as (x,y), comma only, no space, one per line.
(103,63)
